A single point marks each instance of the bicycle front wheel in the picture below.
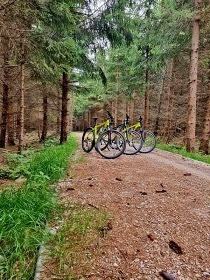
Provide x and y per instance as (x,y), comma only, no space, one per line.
(149,141)
(88,140)
(111,144)
(133,142)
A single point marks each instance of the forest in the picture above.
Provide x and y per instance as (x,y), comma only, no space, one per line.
(63,62)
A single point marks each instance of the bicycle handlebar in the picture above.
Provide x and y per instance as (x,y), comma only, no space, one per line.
(127,119)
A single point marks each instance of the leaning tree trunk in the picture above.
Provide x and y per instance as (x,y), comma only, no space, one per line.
(191,118)
(204,141)
(64,110)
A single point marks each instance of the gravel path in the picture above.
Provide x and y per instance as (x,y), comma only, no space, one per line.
(160,209)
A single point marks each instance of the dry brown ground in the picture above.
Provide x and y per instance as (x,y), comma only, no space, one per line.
(160,204)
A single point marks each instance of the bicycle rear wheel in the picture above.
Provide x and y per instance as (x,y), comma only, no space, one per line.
(149,141)
(111,144)
(88,141)
(133,142)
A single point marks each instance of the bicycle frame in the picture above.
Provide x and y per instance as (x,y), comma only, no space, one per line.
(131,127)
(148,137)
(99,128)
(135,126)
(108,142)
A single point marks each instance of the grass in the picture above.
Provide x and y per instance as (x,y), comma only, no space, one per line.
(25,210)
(181,150)
(78,236)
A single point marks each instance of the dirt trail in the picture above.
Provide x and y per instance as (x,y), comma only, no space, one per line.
(160,204)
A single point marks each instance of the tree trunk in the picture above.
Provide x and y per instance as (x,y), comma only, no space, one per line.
(191,118)
(71,112)
(58,122)
(132,107)
(22,101)
(64,110)
(5,96)
(45,119)
(159,105)
(11,121)
(148,6)
(204,142)
(170,101)
(146,96)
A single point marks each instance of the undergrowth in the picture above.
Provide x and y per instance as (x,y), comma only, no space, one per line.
(181,150)
(25,210)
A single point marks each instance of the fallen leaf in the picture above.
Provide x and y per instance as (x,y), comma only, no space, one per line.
(104,230)
(143,193)
(175,247)
(187,174)
(166,275)
(118,179)
(151,237)
(162,191)
(91,205)
(70,189)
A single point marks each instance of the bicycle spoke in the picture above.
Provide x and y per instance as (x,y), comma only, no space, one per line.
(149,141)
(88,140)
(133,142)
(111,144)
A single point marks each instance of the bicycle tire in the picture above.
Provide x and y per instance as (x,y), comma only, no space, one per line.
(148,141)
(88,141)
(111,144)
(134,142)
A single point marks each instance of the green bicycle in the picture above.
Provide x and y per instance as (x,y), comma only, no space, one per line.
(149,140)
(108,142)
(133,138)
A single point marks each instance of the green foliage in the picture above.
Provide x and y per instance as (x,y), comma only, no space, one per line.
(50,164)
(158,30)
(55,47)
(25,211)
(93,94)
(181,150)
(17,165)
(51,142)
